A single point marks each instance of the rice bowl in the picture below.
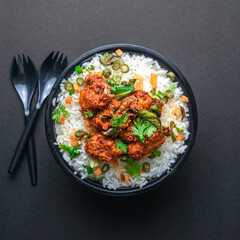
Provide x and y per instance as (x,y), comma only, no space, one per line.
(161,165)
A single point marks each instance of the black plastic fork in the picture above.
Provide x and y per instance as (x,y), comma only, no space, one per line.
(24,79)
(48,73)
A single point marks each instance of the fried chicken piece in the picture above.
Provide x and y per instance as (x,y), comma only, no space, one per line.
(102,120)
(139,149)
(126,133)
(102,148)
(96,95)
(138,100)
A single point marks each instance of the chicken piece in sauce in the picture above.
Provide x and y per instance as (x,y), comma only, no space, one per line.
(139,149)
(96,95)
(102,148)
(138,100)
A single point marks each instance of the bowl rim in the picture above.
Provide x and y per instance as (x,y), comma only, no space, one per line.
(154,183)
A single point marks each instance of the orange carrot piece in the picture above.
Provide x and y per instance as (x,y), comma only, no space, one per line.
(153,80)
(184,98)
(139,82)
(68,99)
(180,137)
(98,171)
(119,52)
(74,140)
(62,121)
(98,73)
(76,87)
(115,163)
(122,177)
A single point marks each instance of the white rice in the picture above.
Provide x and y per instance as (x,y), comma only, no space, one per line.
(144,66)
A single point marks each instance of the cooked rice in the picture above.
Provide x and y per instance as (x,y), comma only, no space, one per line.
(144,66)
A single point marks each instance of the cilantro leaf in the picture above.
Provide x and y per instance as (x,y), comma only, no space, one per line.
(88,114)
(118,122)
(89,169)
(155,154)
(65,112)
(71,92)
(143,128)
(56,114)
(122,146)
(150,130)
(133,168)
(172,87)
(105,55)
(92,67)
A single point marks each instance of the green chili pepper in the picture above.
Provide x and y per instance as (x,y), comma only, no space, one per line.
(105,168)
(151,117)
(122,88)
(122,95)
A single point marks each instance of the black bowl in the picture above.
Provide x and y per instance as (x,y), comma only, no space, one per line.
(49,123)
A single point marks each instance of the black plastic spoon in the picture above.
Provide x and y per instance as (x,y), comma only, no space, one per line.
(48,73)
(24,79)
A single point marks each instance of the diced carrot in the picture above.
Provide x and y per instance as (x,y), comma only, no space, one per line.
(119,52)
(122,177)
(115,163)
(98,73)
(76,87)
(180,137)
(184,98)
(98,171)
(74,140)
(153,80)
(68,99)
(62,121)
(139,82)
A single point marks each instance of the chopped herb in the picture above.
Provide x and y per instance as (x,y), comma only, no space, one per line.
(104,116)
(105,54)
(122,146)
(118,122)
(87,137)
(78,69)
(155,154)
(172,87)
(133,168)
(71,92)
(180,130)
(89,169)
(171,75)
(88,114)
(92,67)
(72,150)
(143,128)
(57,113)
(160,94)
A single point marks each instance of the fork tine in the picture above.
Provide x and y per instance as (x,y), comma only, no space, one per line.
(30,61)
(19,59)
(65,61)
(60,58)
(24,59)
(55,57)
(14,67)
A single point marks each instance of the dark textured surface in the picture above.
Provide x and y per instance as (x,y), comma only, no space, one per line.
(202,200)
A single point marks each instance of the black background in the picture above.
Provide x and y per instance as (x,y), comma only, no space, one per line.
(202,200)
